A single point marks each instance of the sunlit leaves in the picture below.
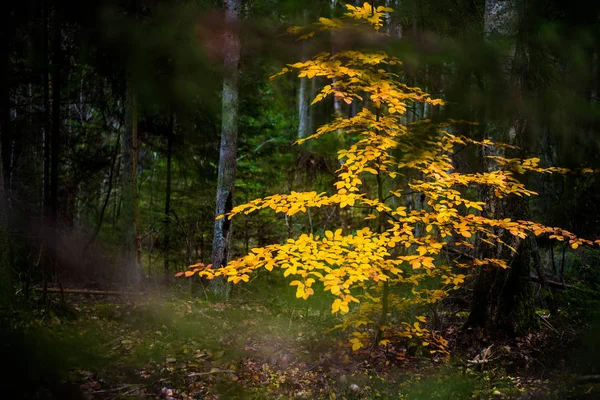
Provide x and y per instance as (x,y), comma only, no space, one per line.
(330,23)
(373,16)
(406,250)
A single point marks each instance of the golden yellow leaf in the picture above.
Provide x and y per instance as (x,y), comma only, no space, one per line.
(335,307)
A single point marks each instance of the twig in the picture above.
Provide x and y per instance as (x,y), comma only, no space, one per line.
(460,253)
(549,325)
(213,371)
(137,385)
(88,291)
(132,390)
(480,362)
(560,285)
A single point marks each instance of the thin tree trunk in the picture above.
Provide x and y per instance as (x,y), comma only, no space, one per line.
(136,194)
(228,151)
(303,122)
(116,202)
(386,288)
(56,116)
(57,60)
(131,269)
(562,262)
(303,95)
(46,82)
(554,270)
(6,138)
(6,289)
(168,196)
(337,103)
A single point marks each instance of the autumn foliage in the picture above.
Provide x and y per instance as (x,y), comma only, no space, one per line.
(399,259)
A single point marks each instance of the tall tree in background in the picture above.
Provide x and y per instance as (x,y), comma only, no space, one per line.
(229,132)
(504,297)
(5,273)
(5,83)
(137,216)
(337,103)
(303,94)
(55,141)
(46,95)
(170,133)
(130,239)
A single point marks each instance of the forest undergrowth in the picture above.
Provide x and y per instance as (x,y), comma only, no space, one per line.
(173,346)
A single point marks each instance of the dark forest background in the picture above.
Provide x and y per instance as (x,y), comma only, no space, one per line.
(112,119)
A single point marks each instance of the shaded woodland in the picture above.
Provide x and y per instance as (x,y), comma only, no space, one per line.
(300,199)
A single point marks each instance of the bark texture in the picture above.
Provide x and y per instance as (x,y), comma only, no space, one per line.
(228,150)
(303,102)
(303,93)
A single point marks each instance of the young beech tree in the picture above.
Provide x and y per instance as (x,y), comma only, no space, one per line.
(398,259)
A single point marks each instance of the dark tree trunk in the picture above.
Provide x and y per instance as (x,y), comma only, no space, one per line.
(56,116)
(6,133)
(228,151)
(136,194)
(516,306)
(516,310)
(504,299)
(117,198)
(170,134)
(6,289)
(131,268)
(46,90)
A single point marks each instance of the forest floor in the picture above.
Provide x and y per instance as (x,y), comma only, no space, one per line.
(115,347)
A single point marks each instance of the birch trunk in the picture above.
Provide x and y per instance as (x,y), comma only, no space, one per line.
(303,93)
(303,101)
